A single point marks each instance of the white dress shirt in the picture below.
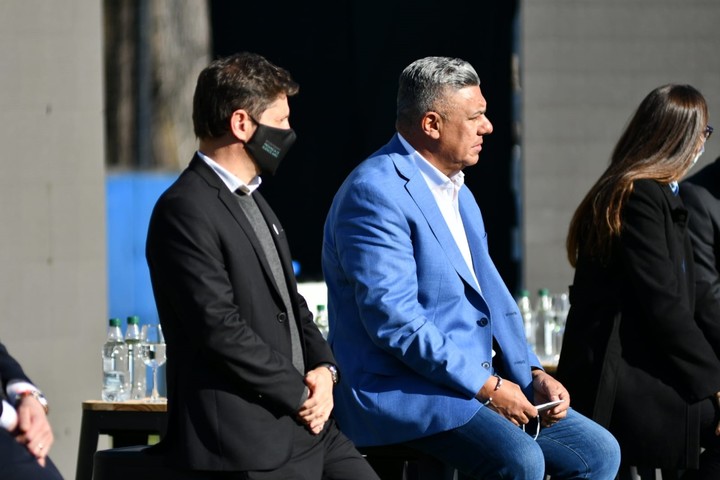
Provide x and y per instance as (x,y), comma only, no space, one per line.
(445,190)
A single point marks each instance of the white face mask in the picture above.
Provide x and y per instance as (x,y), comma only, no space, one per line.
(702,150)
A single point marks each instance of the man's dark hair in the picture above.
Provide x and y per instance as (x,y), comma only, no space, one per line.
(245,81)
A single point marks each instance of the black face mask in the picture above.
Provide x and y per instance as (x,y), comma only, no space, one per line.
(269,145)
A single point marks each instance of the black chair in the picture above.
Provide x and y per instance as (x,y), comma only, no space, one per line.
(138,462)
(398,462)
(647,473)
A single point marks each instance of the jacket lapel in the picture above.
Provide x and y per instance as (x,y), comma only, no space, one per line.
(419,191)
(476,236)
(231,203)
(678,211)
(278,235)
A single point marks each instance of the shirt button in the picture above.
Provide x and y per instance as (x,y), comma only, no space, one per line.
(483,322)
(282,316)
(486,365)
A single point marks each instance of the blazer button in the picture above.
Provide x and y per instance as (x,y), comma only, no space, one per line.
(282,316)
(486,365)
(483,322)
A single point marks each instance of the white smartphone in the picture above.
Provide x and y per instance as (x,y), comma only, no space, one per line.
(547,406)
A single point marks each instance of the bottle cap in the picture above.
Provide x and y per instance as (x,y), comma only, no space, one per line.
(133,320)
(321,307)
(543,291)
(114,322)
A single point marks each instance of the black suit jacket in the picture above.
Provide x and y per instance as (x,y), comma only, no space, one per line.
(701,194)
(637,355)
(233,392)
(10,369)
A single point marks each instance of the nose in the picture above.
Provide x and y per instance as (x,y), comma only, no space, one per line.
(486,127)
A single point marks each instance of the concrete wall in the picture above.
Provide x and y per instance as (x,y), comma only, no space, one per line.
(52,230)
(586,65)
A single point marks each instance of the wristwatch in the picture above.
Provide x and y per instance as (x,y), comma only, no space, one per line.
(38,395)
(333,372)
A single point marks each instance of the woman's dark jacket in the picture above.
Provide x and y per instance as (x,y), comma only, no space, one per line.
(638,353)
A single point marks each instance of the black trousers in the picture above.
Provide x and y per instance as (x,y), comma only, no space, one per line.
(327,456)
(17,463)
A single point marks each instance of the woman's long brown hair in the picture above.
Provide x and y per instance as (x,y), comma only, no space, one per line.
(659,143)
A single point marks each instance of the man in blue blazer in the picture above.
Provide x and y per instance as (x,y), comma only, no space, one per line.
(428,337)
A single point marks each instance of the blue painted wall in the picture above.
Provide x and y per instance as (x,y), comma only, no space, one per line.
(130,200)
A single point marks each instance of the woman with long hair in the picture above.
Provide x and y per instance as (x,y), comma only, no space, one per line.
(640,352)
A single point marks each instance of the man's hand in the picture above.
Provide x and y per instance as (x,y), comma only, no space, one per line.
(33,428)
(315,412)
(508,400)
(548,389)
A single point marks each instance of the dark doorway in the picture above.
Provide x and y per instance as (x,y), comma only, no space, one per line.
(347,59)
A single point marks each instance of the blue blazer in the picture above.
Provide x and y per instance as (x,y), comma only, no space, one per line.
(410,330)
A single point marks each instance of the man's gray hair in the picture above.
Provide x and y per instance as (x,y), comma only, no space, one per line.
(424,83)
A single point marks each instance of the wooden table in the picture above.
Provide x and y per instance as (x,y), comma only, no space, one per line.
(129,423)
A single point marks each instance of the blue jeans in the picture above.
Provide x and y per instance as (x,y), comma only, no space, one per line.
(491,447)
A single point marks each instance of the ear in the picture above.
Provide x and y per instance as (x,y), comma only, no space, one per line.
(241,125)
(431,124)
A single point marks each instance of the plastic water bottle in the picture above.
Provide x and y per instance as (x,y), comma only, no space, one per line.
(137,379)
(115,364)
(561,308)
(525,306)
(321,320)
(544,326)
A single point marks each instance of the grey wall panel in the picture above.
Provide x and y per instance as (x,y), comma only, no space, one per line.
(585,66)
(52,211)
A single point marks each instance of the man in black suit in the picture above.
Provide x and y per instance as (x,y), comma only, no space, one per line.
(701,195)
(250,378)
(25,433)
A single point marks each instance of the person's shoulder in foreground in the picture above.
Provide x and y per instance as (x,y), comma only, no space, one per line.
(25,432)
(250,377)
(428,337)
(701,196)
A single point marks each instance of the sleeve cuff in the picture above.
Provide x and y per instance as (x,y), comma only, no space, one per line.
(8,418)
(16,387)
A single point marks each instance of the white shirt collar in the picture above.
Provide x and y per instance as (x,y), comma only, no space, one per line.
(445,191)
(229,179)
(434,177)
